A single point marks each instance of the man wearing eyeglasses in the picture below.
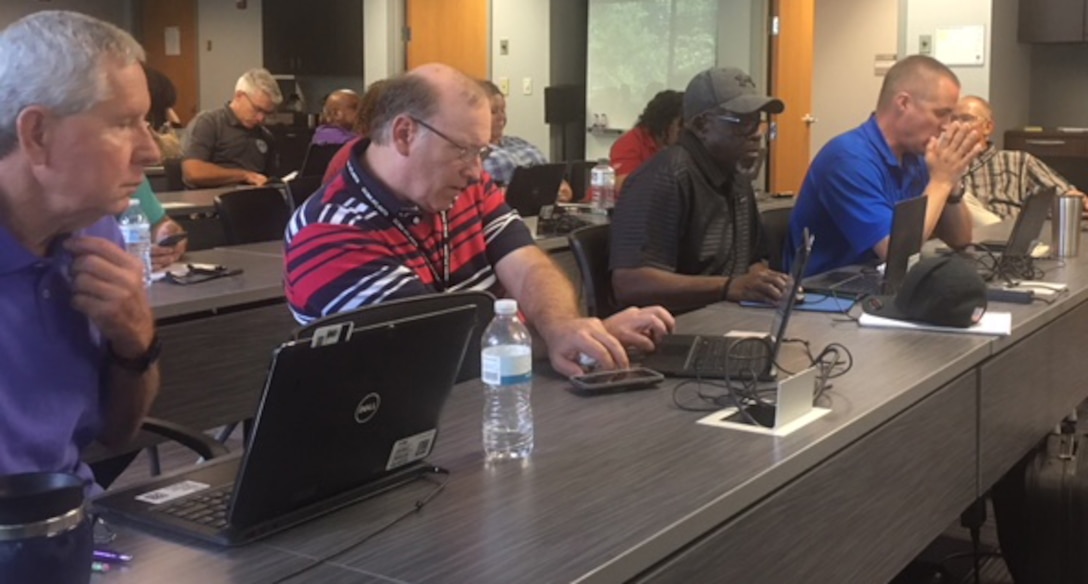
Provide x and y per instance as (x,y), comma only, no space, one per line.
(909,147)
(997,182)
(414,213)
(230,145)
(686,232)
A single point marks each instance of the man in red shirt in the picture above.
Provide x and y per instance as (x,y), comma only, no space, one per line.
(658,126)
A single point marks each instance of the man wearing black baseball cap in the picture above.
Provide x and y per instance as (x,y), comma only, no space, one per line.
(686,231)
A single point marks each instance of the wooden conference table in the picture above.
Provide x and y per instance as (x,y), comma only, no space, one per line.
(627,487)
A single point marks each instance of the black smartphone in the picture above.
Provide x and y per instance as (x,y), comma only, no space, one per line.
(172,240)
(617,380)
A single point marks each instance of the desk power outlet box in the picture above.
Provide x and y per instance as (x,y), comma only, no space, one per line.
(1007,295)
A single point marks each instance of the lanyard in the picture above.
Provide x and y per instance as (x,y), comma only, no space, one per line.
(442,279)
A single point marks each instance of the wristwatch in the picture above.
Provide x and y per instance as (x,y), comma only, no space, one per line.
(141,363)
(956,196)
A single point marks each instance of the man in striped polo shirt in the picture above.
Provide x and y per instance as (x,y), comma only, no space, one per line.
(413,213)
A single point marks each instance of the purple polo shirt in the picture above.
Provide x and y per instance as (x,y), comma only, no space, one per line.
(51,361)
(329,134)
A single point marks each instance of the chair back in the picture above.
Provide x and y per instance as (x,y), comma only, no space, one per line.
(394,309)
(171,168)
(578,177)
(776,226)
(591,249)
(317,159)
(300,189)
(252,215)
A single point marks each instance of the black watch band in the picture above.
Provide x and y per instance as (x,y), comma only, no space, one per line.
(956,196)
(141,363)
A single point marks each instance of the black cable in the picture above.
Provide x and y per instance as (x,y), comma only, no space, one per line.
(419,504)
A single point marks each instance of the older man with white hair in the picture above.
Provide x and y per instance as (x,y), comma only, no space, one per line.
(78,345)
(230,145)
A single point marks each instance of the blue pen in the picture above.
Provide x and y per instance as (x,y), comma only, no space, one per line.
(111,557)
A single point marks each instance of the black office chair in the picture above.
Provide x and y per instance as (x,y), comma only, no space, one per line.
(377,313)
(317,159)
(300,189)
(776,226)
(253,215)
(171,168)
(590,246)
(108,464)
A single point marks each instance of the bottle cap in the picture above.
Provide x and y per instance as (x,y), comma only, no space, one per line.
(506,306)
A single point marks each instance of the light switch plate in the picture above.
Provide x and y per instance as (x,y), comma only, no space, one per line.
(504,47)
(527,86)
(925,44)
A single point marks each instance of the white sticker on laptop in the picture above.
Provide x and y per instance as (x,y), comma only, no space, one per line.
(411,449)
(171,492)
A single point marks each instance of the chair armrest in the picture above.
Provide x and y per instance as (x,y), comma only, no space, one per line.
(198,442)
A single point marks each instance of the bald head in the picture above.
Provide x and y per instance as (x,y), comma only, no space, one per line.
(341,109)
(423,93)
(452,88)
(916,75)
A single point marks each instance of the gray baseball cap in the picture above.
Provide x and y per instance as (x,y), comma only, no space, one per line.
(729,88)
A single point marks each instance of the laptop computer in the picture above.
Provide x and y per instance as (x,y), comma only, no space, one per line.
(905,242)
(734,355)
(532,187)
(1029,224)
(345,415)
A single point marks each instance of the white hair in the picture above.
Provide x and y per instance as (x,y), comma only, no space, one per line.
(258,79)
(57,59)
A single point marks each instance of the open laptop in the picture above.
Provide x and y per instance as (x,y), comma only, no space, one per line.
(345,415)
(905,242)
(1029,224)
(734,355)
(532,187)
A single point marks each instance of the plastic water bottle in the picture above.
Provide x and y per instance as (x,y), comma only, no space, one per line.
(136,231)
(602,186)
(507,365)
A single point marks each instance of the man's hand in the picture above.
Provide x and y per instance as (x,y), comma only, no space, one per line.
(108,287)
(760,284)
(949,155)
(255,179)
(565,193)
(163,256)
(569,339)
(640,328)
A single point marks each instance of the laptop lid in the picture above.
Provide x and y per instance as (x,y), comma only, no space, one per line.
(1029,223)
(342,410)
(908,226)
(785,308)
(532,187)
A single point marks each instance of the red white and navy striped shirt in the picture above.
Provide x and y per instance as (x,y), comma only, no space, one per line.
(345,249)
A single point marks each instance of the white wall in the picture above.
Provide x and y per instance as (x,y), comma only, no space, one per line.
(1010,91)
(235,42)
(848,36)
(118,12)
(925,16)
(526,25)
(383,46)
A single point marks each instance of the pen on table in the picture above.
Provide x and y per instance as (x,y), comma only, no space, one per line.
(111,557)
(100,567)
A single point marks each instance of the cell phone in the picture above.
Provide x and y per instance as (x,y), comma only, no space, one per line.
(172,240)
(617,380)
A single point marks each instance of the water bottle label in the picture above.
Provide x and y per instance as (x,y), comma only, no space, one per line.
(507,365)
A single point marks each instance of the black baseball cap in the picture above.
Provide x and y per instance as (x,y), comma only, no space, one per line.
(945,291)
(727,87)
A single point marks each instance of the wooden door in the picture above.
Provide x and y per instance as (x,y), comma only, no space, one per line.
(791,81)
(454,32)
(158,19)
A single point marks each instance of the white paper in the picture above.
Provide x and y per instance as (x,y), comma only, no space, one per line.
(960,45)
(717,420)
(172,41)
(992,323)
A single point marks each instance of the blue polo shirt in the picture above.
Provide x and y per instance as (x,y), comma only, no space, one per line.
(848,196)
(51,361)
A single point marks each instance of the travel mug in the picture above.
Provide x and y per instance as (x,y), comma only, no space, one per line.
(1065,225)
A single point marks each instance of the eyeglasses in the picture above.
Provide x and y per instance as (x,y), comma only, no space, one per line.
(967,118)
(260,110)
(746,125)
(464,153)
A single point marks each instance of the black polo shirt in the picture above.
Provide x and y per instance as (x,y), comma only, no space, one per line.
(218,137)
(682,213)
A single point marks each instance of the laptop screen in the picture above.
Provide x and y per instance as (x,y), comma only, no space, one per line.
(782,312)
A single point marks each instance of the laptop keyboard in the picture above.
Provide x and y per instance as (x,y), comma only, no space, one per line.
(206,508)
(709,355)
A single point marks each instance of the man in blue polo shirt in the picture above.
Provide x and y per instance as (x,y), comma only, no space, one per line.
(908,147)
(78,346)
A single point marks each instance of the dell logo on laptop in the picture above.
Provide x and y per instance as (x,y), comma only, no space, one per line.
(367,408)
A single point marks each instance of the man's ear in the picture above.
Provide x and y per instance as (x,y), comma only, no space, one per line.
(33,127)
(403,134)
(901,99)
